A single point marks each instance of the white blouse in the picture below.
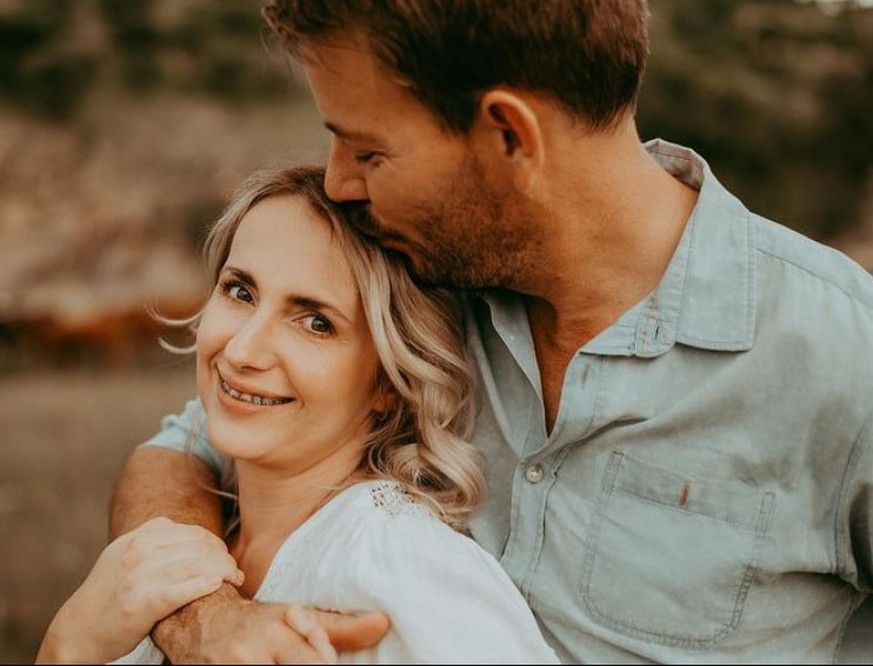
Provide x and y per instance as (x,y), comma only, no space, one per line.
(372,547)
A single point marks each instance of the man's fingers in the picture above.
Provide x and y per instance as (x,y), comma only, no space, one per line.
(304,623)
(353,631)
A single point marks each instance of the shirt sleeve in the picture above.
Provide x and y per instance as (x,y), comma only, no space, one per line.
(186,432)
(448,599)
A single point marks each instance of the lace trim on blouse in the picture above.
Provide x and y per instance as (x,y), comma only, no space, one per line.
(384,495)
(391,497)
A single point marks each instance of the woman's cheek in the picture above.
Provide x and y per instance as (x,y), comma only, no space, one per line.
(215,328)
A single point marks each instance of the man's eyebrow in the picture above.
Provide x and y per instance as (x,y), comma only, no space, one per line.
(295,300)
(347,134)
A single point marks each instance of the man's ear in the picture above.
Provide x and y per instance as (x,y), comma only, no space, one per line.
(513,128)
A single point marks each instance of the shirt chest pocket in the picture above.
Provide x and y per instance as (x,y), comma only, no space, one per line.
(669,556)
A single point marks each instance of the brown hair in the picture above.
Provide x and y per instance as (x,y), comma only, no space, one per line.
(589,55)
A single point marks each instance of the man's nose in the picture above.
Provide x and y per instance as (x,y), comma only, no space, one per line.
(344,179)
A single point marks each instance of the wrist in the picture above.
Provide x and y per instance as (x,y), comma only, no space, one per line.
(180,634)
(59,647)
(50,650)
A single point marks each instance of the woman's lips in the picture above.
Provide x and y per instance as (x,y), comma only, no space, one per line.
(251,398)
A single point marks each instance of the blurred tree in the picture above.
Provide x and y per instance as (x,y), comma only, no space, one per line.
(39,68)
(775,94)
(54,52)
(135,39)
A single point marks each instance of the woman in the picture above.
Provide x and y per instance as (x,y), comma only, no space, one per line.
(339,392)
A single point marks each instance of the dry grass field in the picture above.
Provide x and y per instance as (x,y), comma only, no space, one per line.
(63,438)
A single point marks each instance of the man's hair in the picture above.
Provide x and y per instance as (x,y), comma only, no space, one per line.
(421,440)
(588,55)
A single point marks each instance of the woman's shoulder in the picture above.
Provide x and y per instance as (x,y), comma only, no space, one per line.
(369,532)
(400,558)
(385,499)
(375,513)
(367,522)
(383,511)
(377,547)
(394,532)
(377,521)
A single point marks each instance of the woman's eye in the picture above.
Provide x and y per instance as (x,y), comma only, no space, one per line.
(319,324)
(238,292)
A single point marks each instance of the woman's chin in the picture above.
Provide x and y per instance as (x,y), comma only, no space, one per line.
(236,445)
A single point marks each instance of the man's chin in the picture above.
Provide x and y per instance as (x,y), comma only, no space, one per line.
(427,274)
(396,251)
(422,274)
(361,218)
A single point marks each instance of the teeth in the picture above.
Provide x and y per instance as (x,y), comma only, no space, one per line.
(252,399)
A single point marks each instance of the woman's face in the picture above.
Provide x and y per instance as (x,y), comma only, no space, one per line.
(286,366)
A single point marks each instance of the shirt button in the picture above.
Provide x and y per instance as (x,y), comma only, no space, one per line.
(534,473)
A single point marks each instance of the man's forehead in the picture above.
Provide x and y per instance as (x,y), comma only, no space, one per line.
(357,97)
(349,58)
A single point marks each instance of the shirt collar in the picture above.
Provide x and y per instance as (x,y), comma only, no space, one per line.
(707,296)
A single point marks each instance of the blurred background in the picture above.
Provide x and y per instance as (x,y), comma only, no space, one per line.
(124,125)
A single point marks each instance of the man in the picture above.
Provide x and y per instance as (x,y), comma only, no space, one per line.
(676,394)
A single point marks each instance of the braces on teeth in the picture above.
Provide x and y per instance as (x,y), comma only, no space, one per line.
(253,399)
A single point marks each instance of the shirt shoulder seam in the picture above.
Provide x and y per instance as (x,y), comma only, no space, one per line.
(849,294)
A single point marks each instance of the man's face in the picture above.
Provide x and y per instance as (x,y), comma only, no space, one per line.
(427,191)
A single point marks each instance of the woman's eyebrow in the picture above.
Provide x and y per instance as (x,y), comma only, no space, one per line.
(310,303)
(240,274)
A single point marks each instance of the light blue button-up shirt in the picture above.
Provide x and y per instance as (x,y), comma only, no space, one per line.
(706,494)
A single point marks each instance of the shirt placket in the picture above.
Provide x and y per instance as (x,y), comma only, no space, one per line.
(536,472)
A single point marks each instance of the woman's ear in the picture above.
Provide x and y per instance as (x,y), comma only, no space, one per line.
(386,398)
(512,127)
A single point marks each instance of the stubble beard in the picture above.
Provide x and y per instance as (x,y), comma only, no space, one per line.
(476,240)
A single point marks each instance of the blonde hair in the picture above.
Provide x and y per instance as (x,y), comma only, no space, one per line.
(421,441)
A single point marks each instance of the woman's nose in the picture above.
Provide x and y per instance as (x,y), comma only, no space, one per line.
(251,345)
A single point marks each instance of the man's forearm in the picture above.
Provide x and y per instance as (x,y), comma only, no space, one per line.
(222,627)
(161,482)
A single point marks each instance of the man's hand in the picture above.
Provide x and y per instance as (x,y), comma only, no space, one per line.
(350,632)
(224,628)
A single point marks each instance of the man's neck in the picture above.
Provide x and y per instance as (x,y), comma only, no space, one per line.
(612,225)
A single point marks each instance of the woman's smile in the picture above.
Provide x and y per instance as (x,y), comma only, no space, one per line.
(247,396)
